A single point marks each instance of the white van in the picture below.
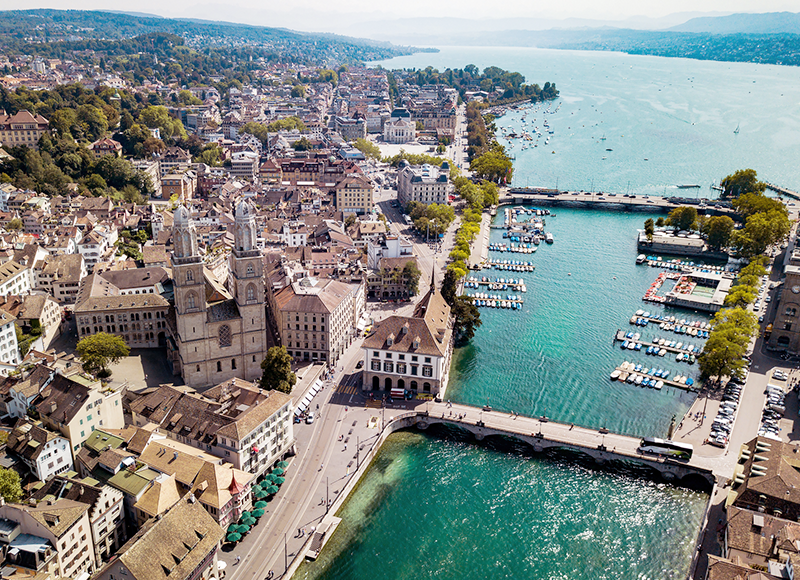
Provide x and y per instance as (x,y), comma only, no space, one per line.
(310,417)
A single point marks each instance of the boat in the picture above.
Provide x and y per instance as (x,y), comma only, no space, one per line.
(659,385)
(641,259)
(548,237)
(736,130)
(688,186)
(615,375)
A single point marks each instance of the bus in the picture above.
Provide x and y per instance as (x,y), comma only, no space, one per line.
(666,448)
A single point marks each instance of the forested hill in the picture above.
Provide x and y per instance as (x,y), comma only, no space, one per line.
(20,29)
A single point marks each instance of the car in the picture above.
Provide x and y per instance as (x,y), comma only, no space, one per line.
(768,299)
(359,364)
(761,318)
(310,418)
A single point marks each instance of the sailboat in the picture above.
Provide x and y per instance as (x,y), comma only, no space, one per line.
(603,138)
(736,130)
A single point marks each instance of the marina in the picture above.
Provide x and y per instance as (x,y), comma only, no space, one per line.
(514,248)
(626,373)
(672,323)
(497,283)
(511,265)
(659,346)
(509,301)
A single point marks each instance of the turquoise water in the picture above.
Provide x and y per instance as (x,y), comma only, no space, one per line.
(554,357)
(497,516)
(438,508)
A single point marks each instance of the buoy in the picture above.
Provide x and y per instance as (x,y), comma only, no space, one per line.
(569,274)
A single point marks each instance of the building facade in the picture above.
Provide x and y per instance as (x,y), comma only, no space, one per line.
(786,327)
(22,129)
(218,334)
(423,183)
(354,194)
(399,131)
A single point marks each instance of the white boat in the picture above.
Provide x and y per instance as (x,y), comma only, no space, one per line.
(659,385)
(615,375)
(641,259)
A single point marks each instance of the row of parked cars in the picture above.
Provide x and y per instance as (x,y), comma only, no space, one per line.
(774,407)
(723,422)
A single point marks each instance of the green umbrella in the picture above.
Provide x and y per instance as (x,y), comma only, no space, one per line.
(242,528)
(260,505)
(271,490)
(260,493)
(249,522)
(244,514)
(266,483)
(257,513)
(269,477)
(232,528)
(283,464)
(234,537)
(279,480)
(278,471)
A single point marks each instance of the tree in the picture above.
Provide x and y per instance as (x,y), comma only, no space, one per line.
(718,230)
(158,117)
(683,217)
(14,225)
(748,204)
(10,485)
(467,319)
(760,231)
(277,367)
(449,286)
(299,91)
(368,148)
(660,222)
(99,350)
(302,144)
(411,274)
(494,165)
(649,228)
(732,329)
(741,182)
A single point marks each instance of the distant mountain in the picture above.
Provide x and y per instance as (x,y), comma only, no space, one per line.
(768,23)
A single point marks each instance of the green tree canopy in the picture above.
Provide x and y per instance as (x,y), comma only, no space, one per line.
(751,203)
(683,217)
(158,117)
(449,287)
(760,231)
(741,182)
(493,165)
(368,148)
(649,228)
(99,350)
(467,319)
(10,485)
(277,367)
(411,274)
(718,230)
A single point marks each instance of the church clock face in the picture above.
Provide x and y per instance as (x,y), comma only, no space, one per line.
(796,289)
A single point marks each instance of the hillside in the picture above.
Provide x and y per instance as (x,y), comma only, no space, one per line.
(25,28)
(769,23)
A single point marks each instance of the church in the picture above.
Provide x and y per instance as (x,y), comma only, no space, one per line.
(218,332)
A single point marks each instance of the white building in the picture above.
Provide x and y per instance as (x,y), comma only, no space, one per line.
(423,183)
(9,347)
(399,131)
(390,246)
(46,453)
(15,278)
(244,165)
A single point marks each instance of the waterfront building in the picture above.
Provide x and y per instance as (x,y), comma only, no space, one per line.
(423,183)
(410,353)
(786,327)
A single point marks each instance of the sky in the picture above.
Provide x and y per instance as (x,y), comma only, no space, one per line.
(345,15)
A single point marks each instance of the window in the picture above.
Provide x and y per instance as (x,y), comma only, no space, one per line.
(251,292)
(414,358)
(189,276)
(225,335)
(233,364)
(219,366)
(427,371)
(401,368)
(427,359)
(388,367)
(376,353)
(190,300)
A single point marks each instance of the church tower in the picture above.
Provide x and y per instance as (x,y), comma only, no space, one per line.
(246,283)
(190,297)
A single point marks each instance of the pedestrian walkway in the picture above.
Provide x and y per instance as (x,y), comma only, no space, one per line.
(373,404)
(347,389)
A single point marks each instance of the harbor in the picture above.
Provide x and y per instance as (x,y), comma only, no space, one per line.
(497,283)
(627,372)
(658,346)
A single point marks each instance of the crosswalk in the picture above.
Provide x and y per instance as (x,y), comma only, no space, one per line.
(347,389)
(373,404)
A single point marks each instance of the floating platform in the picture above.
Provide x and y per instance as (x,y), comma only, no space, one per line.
(513,249)
(510,265)
(683,328)
(496,284)
(620,337)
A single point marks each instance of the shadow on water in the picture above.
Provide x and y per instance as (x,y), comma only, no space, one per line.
(512,446)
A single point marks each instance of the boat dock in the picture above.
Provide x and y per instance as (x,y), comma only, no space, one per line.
(621,337)
(512,248)
(667,382)
(681,326)
(511,265)
(783,190)
(491,301)
(497,284)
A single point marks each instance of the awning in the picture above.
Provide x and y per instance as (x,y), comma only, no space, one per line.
(307,399)
(397,392)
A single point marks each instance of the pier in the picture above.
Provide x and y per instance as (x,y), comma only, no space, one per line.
(620,337)
(503,284)
(509,266)
(667,382)
(783,191)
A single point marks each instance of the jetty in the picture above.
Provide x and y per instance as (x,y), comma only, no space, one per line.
(513,248)
(511,265)
(497,284)
(627,372)
(782,190)
(622,337)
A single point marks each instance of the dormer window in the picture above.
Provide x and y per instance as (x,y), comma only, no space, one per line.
(415,342)
(390,339)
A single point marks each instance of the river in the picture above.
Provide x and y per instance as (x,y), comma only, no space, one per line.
(440,507)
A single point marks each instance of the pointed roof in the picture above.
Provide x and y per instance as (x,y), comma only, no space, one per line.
(235,487)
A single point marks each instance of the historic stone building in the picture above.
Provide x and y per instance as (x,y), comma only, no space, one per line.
(219,333)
